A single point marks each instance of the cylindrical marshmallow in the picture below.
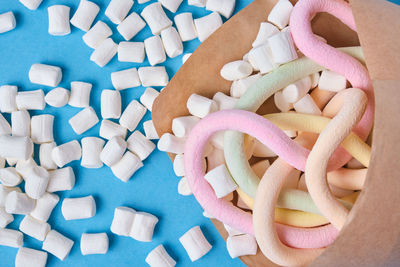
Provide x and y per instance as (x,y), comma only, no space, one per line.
(10,177)
(131,52)
(59,20)
(113,151)
(5,127)
(45,74)
(182,126)
(122,221)
(195,244)
(58,97)
(57,244)
(224,102)
(143,226)
(140,145)
(266,30)
(198,3)
(44,206)
(185,25)
(42,128)
(31,100)
(8,95)
(201,106)
(7,22)
(117,10)
(97,34)
(78,208)
(241,245)
(153,76)
(85,15)
(156,18)
(21,123)
(236,70)
(80,94)
(282,47)
(280,13)
(104,52)
(171,144)
(24,167)
(16,147)
(94,244)
(262,58)
(19,203)
(332,81)
(307,105)
(4,191)
(61,180)
(36,181)
(184,188)
(171,5)
(124,79)
(131,26)
(132,115)
(34,228)
(281,103)
(239,87)
(31,4)
(148,97)
(295,91)
(207,25)
(45,156)
(221,181)
(179,166)
(109,129)
(27,257)
(11,238)
(127,166)
(5,218)
(84,120)
(172,42)
(223,7)
(91,149)
(154,50)
(150,130)
(65,153)
(159,257)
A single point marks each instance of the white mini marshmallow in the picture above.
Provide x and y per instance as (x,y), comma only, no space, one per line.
(113,151)
(91,149)
(132,115)
(185,25)
(7,22)
(332,81)
(57,244)
(97,34)
(262,151)
(27,257)
(154,50)
(224,102)
(198,3)
(24,167)
(171,144)
(16,147)
(78,208)
(131,52)
(45,206)
(241,245)
(42,128)
(45,74)
(61,180)
(195,244)
(8,95)
(307,105)
(10,177)
(179,165)
(239,87)
(172,42)
(280,13)
(124,79)
(295,91)
(110,104)
(19,203)
(11,238)
(59,20)
(5,128)
(159,257)
(148,97)
(232,231)
(94,244)
(150,130)
(140,145)
(131,26)
(281,103)
(127,166)
(83,120)
(45,156)
(186,57)
(4,191)
(266,30)
(85,15)
(31,100)
(109,129)
(171,5)
(153,76)
(262,58)
(207,25)
(236,70)
(104,52)
(80,94)
(221,181)
(117,10)
(21,123)
(36,181)
(223,7)
(282,47)
(31,4)
(156,18)
(182,126)
(201,106)
(122,221)
(143,226)
(183,187)
(253,63)
(65,153)
(314,79)
(34,228)
(5,219)
(58,97)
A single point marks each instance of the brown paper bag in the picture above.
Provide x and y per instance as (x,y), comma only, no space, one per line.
(371,236)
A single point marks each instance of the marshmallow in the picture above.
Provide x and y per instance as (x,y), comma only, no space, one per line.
(223,7)
(125,79)
(241,245)
(83,120)
(131,26)
(34,228)
(307,105)
(232,231)
(30,100)
(143,226)
(314,79)
(11,238)
(127,166)
(224,102)
(78,208)
(131,52)
(65,153)
(5,219)
(110,104)
(183,187)
(109,129)
(4,191)
(24,167)
(171,144)
(221,181)
(36,181)
(58,97)
(198,3)
(45,156)
(154,50)
(59,20)
(262,58)
(27,257)
(122,221)
(282,47)
(61,180)
(236,70)
(185,25)
(182,126)
(5,128)
(117,10)
(148,97)
(159,257)
(132,115)
(57,244)
(201,106)
(91,149)
(16,147)
(253,63)
(97,34)
(19,203)
(80,94)
(281,103)
(42,128)
(113,151)
(295,91)
(332,81)
(104,52)
(150,130)
(31,4)
(239,87)
(10,177)
(266,30)
(280,13)
(94,244)
(179,165)
(172,42)
(8,94)
(85,15)
(171,5)
(140,145)
(185,57)
(7,22)
(290,133)
(153,76)
(21,123)
(156,18)
(195,244)
(207,25)
(44,207)
(45,75)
